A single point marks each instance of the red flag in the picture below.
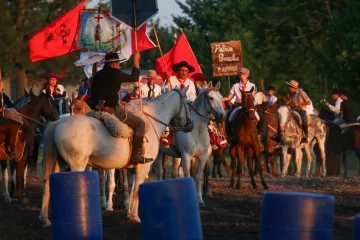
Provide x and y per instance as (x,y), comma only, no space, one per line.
(144,42)
(180,52)
(57,38)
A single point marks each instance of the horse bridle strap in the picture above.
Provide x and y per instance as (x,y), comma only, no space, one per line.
(32,119)
(172,128)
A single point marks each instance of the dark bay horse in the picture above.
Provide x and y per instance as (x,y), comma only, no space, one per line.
(246,139)
(38,106)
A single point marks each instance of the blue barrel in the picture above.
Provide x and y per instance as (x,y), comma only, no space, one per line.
(297,216)
(75,205)
(170,210)
(356,227)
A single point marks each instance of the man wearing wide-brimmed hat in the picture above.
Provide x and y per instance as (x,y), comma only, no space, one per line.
(150,90)
(300,100)
(181,81)
(105,88)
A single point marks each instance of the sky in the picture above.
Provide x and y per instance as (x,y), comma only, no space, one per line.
(166,9)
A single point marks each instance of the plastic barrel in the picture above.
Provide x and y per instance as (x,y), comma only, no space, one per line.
(356,227)
(75,205)
(297,215)
(170,210)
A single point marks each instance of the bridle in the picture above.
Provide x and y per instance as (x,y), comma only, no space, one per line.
(246,111)
(206,104)
(176,126)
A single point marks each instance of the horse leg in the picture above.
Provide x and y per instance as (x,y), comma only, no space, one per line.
(193,167)
(142,170)
(240,152)
(321,144)
(220,158)
(233,164)
(286,160)
(112,185)
(273,166)
(206,175)
(259,169)
(309,159)
(250,157)
(298,161)
(102,178)
(5,175)
(20,167)
(215,160)
(176,164)
(163,168)
(203,159)
(126,187)
(158,165)
(344,161)
(357,153)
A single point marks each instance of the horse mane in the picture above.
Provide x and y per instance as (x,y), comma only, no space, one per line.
(199,98)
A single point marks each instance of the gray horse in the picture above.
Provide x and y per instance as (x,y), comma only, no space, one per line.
(291,135)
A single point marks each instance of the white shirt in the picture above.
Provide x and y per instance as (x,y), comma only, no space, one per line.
(336,108)
(145,90)
(310,108)
(238,87)
(271,100)
(190,94)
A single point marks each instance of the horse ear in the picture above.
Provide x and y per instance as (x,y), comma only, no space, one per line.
(185,90)
(26,93)
(218,85)
(31,93)
(252,89)
(210,86)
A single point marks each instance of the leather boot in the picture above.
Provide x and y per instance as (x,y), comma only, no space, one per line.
(137,155)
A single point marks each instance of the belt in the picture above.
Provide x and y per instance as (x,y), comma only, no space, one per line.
(108,108)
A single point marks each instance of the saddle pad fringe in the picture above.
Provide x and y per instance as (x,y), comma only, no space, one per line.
(12,114)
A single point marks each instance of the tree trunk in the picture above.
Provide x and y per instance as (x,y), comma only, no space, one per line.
(21,81)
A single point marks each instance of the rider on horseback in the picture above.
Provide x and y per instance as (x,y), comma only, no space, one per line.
(235,97)
(105,87)
(299,99)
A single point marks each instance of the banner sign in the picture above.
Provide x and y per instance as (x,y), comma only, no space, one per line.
(226,58)
(98,31)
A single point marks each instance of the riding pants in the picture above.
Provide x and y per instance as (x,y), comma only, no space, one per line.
(304,120)
(131,120)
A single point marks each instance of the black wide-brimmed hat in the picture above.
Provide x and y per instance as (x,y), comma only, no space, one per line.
(336,91)
(181,64)
(112,57)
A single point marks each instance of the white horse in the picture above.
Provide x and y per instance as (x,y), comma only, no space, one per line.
(291,135)
(197,143)
(83,140)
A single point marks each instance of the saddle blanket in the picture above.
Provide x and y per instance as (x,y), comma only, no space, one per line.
(12,114)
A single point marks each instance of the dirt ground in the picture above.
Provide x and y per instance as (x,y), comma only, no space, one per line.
(230,213)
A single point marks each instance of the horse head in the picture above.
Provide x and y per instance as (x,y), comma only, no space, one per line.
(284,114)
(47,107)
(247,103)
(214,100)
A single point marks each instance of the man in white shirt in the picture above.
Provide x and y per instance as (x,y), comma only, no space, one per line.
(150,90)
(335,109)
(244,85)
(182,69)
(271,99)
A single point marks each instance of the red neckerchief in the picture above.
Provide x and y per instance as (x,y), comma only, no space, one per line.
(182,85)
(243,86)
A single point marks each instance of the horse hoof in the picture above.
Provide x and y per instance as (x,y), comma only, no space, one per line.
(202,205)
(276,175)
(25,201)
(134,218)
(109,209)
(7,199)
(266,187)
(237,185)
(208,194)
(221,176)
(46,223)
(254,186)
(213,176)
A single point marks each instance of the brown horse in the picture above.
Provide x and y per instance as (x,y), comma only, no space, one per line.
(79,107)
(271,117)
(246,139)
(38,106)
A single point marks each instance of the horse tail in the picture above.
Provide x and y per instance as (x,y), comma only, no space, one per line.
(50,158)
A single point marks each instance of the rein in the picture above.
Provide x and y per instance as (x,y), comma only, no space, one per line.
(32,119)
(172,128)
(201,115)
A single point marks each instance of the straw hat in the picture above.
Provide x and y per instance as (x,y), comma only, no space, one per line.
(243,70)
(293,84)
(151,74)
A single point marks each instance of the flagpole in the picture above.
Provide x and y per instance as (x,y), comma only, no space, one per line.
(136,48)
(161,53)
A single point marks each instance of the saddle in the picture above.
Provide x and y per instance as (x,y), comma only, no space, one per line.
(297,117)
(18,150)
(116,128)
